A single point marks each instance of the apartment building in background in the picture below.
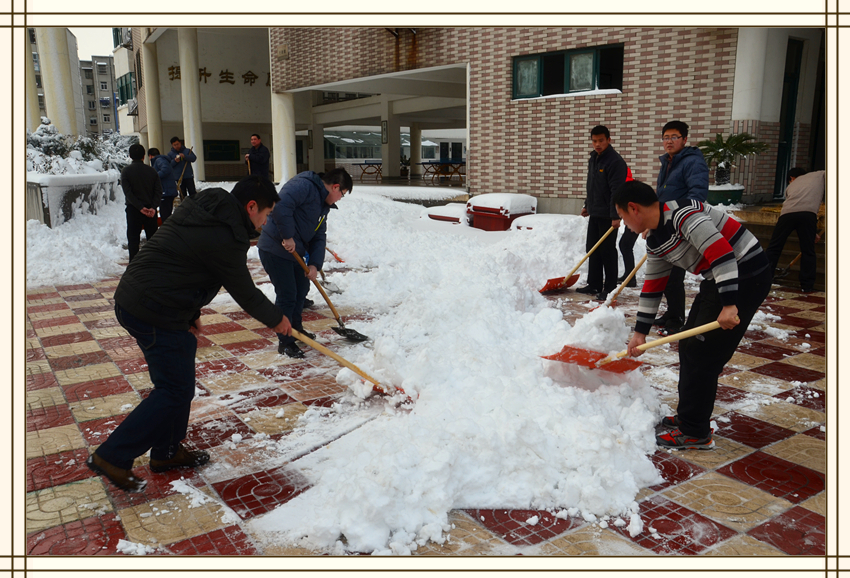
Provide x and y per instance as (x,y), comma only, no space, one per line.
(99,95)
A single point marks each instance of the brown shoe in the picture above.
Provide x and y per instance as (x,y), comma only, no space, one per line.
(122,479)
(182,458)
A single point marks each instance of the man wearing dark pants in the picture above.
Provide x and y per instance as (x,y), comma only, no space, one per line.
(181,160)
(201,248)
(258,157)
(299,224)
(800,213)
(162,167)
(703,240)
(606,171)
(683,176)
(142,192)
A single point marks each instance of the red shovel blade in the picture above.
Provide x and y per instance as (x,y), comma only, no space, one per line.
(559,284)
(622,365)
(589,358)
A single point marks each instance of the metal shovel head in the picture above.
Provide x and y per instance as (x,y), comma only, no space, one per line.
(590,359)
(559,284)
(350,334)
(330,287)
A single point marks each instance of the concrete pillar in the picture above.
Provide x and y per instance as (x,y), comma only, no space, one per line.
(391,151)
(143,140)
(33,111)
(749,73)
(150,69)
(316,155)
(56,74)
(193,134)
(283,136)
(415,149)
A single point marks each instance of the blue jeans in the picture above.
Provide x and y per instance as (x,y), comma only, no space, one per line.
(160,421)
(290,288)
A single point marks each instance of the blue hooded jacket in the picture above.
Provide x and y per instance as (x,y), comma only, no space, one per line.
(301,214)
(163,169)
(686,177)
(177,166)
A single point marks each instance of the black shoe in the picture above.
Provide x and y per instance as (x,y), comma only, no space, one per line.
(662,321)
(308,303)
(807,290)
(632,282)
(182,458)
(291,350)
(123,479)
(305,333)
(602,296)
(671,327)
(588,290)
(670,422)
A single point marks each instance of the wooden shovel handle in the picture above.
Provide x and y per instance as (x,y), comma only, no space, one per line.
(669,339)
(341,360)
(318,286)
(583,259)
(629,278)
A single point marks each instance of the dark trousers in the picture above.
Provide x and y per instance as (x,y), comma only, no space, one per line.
(805,224)
(290,288)
(160,421)
(605,256)
(166,206)
(674,292)
(627,245)
(187,187)
(703,357)
(136,222)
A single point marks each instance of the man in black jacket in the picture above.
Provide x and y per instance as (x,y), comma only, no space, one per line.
(201,247)
(606,172)
(142,193)
(258,157)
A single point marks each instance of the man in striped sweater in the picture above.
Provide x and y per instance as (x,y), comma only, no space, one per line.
(737,276)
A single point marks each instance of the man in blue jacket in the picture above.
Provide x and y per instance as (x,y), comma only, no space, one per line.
(181,160)
(258,157)
(298,223)
(162,167)
(683,176)
(606,172)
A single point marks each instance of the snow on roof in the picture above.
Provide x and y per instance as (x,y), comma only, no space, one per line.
(545,220)
(451,211)
(506,203)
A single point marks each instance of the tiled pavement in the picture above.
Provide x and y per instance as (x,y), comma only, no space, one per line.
(760,492)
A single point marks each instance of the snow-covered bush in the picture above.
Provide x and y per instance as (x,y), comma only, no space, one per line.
(51,152)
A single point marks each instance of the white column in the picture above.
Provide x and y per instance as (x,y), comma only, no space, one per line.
(193,134)
(143,140)
(415,149)
(33,112)
(391,151)
(316,160)
(283,136)
(57,78)
(153,108)
(750,61)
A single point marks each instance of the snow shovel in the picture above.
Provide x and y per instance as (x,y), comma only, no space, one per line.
(782,273)
(328,285)
(334,254)
(611,301)
(615,363)
(349,334)
(180,180)
(560,283)
(377,386)
(249,165)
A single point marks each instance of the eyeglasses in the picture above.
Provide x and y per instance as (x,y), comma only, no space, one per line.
(670,138)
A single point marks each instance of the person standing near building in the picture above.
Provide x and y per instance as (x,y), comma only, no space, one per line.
(606,172)
(142,193)
(690,235)
(299,224)
(258,157)
(683,176)
(162,167)
(201,248)
(803,197)
(181,160)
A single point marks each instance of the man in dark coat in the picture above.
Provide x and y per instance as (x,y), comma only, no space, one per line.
(162,166)
(606,172)
(142,192)
(181,160)
(158,301)
(299,224)
(258,157)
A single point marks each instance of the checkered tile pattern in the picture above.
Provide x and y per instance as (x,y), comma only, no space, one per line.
(760,491)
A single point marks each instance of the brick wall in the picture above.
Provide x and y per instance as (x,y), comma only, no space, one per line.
(539,146)
(758,173)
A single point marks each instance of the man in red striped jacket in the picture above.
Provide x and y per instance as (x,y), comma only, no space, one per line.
(737,276)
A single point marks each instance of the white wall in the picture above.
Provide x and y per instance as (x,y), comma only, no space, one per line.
(74,62)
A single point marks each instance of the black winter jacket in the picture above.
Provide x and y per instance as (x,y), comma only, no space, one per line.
(605,174)
(141,185)
(201,247)
(259,158)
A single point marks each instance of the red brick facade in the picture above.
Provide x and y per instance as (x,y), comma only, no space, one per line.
(539,146)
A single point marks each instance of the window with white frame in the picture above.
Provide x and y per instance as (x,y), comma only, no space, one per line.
(41,101)
(92,105)
(35,61)
(567,72)
(104,86)
(92,120)
(106,118)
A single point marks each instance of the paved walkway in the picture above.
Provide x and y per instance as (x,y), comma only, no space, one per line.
(760,492)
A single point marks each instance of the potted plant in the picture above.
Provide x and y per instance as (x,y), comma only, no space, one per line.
(405,166)
(723,154)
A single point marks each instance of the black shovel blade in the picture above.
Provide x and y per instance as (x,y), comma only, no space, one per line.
(350,334)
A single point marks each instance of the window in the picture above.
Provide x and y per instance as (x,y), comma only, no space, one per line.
(89,89)
(105,102)
(139,75)
(567,72)
(106,118)
(32,35)
(35,61)
(222,150)
(87,73)
(38,81)
(92,105)
(104,86)
(41,101)
(101,68)
(93,120)
(125,88)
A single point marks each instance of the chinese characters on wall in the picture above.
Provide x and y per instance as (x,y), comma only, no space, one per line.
(224,76)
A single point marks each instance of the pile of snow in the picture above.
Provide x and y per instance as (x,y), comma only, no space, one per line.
(50,152)
(451,212)
(529,222)
(506,204)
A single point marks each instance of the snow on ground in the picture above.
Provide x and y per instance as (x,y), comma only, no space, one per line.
(460,326)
